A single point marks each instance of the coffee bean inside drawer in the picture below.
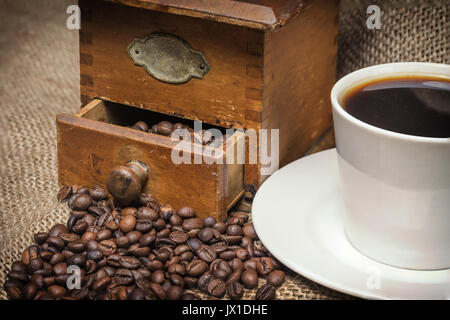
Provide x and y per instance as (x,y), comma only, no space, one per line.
(188,162)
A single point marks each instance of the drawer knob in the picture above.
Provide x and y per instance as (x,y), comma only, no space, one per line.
(125,182)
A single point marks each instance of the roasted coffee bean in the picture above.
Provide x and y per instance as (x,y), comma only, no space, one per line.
(77,259)
(19,276)
(155,265)
(196,268)
(147,213)
(80,226)
(204,280)
(57,229)
(234,230)
(89,218)
(40,237)
(182,248)
(48,281)
(158,276)
(45,255)
(250,264)
(219,247)
(234,276)
(220,226)
(165,212)
(249,278)
(194,244)
(95,255)
(220,274)
(174,293)
(97,193)
(147,239)
(177,268)
(35,264)
(79,294)
(88,236)
(69,237)
(146,199)
(276,278)
(57,291)
(235,221)
(206,234)
(64,193)
(128,223)
(266,292)
(177,280)
(216,288)
(91,245)
(71,199)
(144,225)
(186,256)
(14,293)
(249,231)
(164,242)
(19,266)
(103,235)
(192,223)
(186,212)
(57,258)
(159,224)
(76,246)
(30,253)
(242,254)
(81,202)
(206,253)
(107,247)
(55,242)
(101,284)
(227,255)
(123,277)
(235,290)
(164,233)
(91,266)
(236,264)
(111,225)
(129,211)
(178,237)
(37,280)
(134,236)
(98,212)
(265,266)
(209,222)
(193,233)
(122,242)
(175,220)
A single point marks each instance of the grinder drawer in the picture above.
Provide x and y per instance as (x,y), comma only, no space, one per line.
(96,139)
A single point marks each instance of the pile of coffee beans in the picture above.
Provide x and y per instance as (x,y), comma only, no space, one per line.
(166,128)
(145,251)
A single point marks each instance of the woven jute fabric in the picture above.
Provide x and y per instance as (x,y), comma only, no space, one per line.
(39,67)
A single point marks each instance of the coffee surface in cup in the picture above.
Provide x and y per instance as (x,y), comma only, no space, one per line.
(412,105)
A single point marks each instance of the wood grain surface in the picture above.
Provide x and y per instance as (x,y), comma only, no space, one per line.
(90,146)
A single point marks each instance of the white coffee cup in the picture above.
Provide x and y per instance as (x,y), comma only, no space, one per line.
(396,186)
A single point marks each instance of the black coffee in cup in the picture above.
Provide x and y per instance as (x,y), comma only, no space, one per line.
(413,105)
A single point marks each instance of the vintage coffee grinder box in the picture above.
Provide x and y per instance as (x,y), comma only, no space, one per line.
(245,65)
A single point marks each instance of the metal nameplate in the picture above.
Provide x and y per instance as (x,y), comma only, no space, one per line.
(168,58)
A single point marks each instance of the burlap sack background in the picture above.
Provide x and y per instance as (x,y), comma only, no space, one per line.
(39,68)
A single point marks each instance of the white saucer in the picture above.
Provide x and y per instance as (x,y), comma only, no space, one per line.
(297,215)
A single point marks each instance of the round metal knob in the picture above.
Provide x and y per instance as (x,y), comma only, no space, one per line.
(125,182)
